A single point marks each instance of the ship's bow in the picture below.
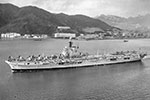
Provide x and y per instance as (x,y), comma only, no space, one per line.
(10,64)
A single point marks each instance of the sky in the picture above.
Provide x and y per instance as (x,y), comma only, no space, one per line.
(92,8)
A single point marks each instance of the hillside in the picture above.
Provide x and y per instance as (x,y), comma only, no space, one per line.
(141,23)
(34,20)
(7,13)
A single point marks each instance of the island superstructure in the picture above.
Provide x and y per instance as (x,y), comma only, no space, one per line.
(71,57)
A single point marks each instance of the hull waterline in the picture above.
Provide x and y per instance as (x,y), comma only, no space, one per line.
(17,68)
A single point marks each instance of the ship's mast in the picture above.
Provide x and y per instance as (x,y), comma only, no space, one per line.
(70,42)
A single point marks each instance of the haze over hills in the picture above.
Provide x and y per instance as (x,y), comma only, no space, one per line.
(141,23)
(34,20)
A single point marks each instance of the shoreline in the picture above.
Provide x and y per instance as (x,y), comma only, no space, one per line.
(10,39)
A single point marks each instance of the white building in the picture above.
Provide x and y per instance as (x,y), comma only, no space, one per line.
(64,32)
(10,35)
(64,35)
(63,27)
(26,36)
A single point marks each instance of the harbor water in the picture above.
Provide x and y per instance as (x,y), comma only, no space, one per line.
(129,81)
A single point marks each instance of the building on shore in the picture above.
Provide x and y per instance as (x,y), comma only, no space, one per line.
(64,35)
(10,35)
(30,36)
(63,27)
(64,32)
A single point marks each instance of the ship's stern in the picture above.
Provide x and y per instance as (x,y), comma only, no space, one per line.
(142,55)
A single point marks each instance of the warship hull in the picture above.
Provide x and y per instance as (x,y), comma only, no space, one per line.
(17,67)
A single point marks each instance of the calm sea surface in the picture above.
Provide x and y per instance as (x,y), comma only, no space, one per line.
(129,81)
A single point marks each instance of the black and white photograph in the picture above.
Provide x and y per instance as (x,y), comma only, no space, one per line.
(74,49)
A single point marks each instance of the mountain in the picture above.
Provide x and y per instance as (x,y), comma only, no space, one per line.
(141,23)
(141,20)
(7,13)
(34,20)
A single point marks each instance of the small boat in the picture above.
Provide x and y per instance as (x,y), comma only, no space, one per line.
(37,38)
(125,40)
